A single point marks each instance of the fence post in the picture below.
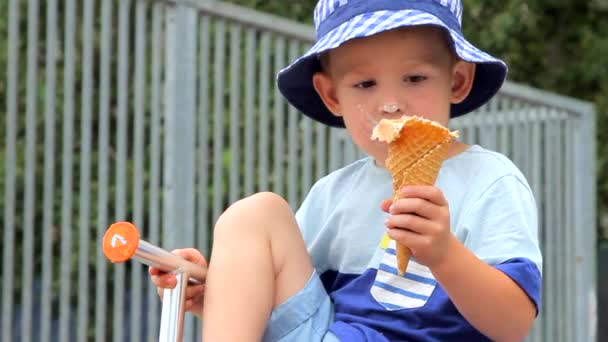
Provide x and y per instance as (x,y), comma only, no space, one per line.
(585,223)
(179,133)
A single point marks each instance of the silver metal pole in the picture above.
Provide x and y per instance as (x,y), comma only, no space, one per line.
(172,315)
(154,256)
(121,242)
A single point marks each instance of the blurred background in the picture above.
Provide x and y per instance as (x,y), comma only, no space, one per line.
(125,109)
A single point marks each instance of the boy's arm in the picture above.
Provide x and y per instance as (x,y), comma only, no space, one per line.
(491,301)
(500,300)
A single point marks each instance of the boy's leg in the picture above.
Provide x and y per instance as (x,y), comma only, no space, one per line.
(258,261)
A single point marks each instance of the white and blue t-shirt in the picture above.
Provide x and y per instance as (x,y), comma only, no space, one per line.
(493,213)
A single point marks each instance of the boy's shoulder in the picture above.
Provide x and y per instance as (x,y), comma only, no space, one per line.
(347,174)
(486,161)
(478,170)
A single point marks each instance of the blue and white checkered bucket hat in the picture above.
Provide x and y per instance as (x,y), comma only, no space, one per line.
(337,21)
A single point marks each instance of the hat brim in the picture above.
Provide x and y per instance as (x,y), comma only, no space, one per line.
(295,81)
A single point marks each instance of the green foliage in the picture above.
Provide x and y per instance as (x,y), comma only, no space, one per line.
(555,45)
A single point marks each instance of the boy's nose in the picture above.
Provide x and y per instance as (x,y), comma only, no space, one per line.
(390,108)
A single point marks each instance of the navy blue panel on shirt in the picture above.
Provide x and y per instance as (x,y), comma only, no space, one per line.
(358,317)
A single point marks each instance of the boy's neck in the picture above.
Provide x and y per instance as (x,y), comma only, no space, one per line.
(456,148)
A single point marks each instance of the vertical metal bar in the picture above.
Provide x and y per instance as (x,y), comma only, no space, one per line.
(493,109)
(172,321)
(180,108)
(279,123)
(292,186)
(516,140)
(549,314)
(155,158)
(8,240)
(235,122)
(30,167)
(543,222)
(321,150)
(484,127)
(66,178)
(307,164)
(559,261)
(218,118)
(585,213)
(473,123)
(103,169)
(504,134)
(204,122)
(204,226)
(570,232)
(536,184)
(524,144)
(203,139)
(49,169)
(263,176)
(463,132)
(250,127)
(85,172)
(334,150)
(118,315)
(136,284)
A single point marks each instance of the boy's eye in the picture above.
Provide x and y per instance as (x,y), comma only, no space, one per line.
(365,84)
(414,79)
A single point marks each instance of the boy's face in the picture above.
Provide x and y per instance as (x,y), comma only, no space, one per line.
(408,71)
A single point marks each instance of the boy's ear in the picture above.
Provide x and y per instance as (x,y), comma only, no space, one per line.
(462,80)
(325,88)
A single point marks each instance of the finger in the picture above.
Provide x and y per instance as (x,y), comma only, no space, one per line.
(195,292)
(385,205)
(413,223)
(418,206)
(167,280)
(408,238)
(153,271)
(191,255)
(427,192)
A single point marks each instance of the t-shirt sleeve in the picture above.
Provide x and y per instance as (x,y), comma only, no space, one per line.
(502,230)
(525,273)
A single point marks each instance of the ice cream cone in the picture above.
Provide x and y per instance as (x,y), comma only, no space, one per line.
(416,149)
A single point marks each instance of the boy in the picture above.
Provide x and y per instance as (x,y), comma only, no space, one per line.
(328,274)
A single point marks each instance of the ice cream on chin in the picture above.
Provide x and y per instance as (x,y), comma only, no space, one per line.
(416,149)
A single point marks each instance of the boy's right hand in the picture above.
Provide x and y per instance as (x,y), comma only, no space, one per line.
(194,293)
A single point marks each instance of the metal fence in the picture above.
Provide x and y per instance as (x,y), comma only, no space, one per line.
(163,113)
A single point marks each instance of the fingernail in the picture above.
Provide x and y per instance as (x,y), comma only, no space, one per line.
(390,209)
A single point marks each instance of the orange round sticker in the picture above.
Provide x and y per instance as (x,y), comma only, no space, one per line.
(120,241)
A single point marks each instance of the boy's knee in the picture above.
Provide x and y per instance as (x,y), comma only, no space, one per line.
(266,200)
(258,208)
(259,204)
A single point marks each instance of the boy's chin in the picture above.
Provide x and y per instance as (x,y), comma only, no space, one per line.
(378,156)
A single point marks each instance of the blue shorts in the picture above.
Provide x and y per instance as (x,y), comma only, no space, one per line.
(304,317)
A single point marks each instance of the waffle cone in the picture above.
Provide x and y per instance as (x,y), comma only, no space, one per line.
(417,148)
